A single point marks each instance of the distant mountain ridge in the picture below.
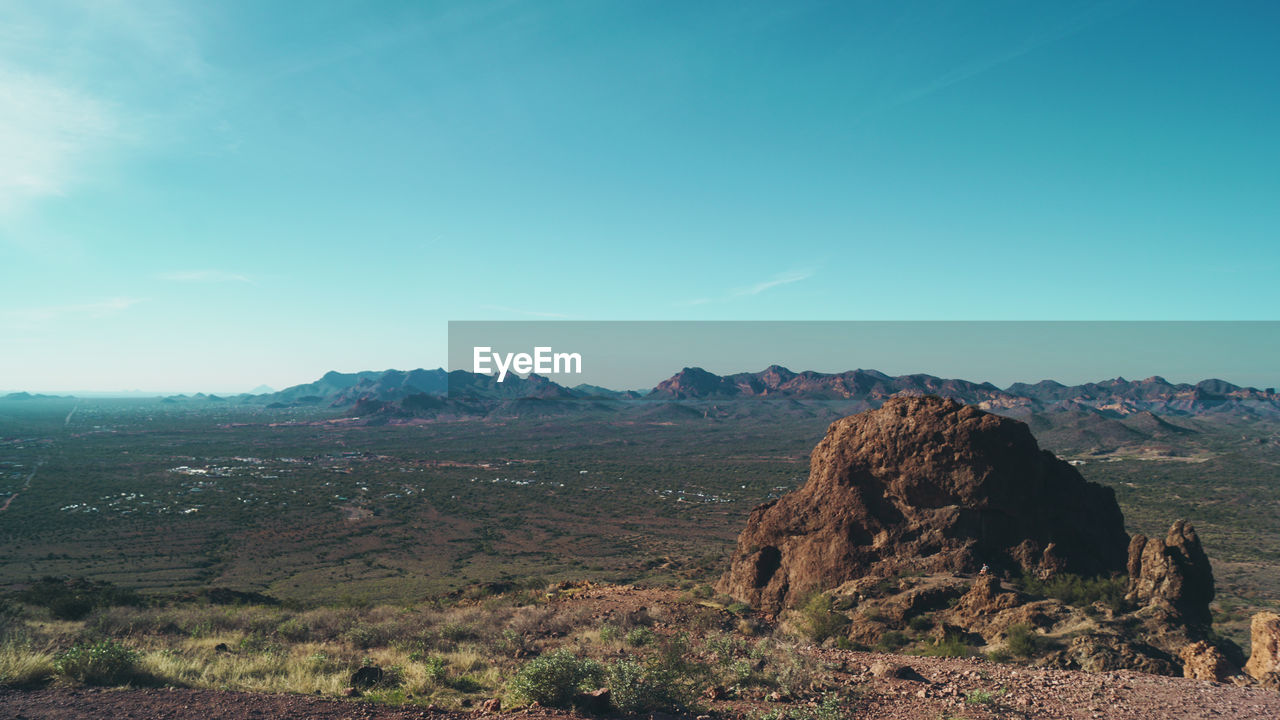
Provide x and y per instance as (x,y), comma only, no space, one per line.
(391,391)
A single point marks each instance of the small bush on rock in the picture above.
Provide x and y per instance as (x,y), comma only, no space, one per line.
(820,620)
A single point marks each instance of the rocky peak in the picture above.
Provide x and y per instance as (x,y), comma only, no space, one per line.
(694,382)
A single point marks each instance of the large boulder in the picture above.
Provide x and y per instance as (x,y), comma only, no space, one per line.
(1264,659)
(925,484)
(1204,661)
(1172,574)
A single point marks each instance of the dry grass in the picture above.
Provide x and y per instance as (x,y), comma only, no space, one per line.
(431,653)
(24,666)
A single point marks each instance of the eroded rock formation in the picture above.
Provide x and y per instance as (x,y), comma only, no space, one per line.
(1203,661)
(905,503)
(1172,574)
(928,485)
(1264,659)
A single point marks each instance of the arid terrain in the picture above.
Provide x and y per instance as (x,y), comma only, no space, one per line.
(869,685)
(255,560)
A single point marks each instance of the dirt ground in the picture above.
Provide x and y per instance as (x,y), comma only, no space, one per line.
(940,689)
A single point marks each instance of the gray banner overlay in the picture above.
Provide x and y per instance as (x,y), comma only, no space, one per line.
(628,355)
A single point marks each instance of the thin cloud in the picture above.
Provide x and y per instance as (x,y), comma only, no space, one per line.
(977,66)
(528,313)
(205,276)
(30,317)
(786,278)
(61,125)
(48,130)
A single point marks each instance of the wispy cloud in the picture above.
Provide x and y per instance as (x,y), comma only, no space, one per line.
(36,316)
(47,131)
(994,57)
(74,95)
(786,278)
(527,313)
(205,276)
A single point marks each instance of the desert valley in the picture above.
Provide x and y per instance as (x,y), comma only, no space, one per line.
(439,541)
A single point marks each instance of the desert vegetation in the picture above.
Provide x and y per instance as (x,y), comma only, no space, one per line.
(654,650)
(457,568)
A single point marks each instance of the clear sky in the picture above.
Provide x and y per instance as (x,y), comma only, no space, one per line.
(209,196)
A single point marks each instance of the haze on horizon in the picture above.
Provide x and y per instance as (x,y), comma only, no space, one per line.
(199,197)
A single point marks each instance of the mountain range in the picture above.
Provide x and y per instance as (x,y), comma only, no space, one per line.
(438,392)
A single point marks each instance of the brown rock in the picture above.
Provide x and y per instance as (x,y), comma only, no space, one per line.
(1173,573)
(1102,652)
(924,483)
(593,702)
(986,598)
(366,677)
(492,705)
(1203,661)
(1264,658)
(1270,681)
(882,669)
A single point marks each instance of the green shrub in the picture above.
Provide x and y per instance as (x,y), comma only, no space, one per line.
(1077,590)
(639,637)
(999,656)
(256,642)
(984,697)
(819,619)
(726,648)
(833,706)
(609,633)
(105,662)
(920,623)
(294,630)
(72,599)
(664,681)
(553,679)
(950,646)
(466,684)
(890,640)
(458,632)
(1023,641)
(628,686)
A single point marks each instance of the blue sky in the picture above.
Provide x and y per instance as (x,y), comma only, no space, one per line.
(209,196)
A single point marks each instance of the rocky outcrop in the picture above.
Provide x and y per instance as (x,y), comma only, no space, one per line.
(1203,661)
(1105,651)
(925,484)
(1172,574)
(1264,659)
